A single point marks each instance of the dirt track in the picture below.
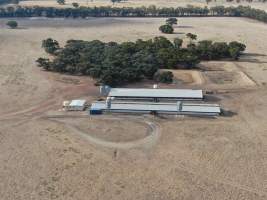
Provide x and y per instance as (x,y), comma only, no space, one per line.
(146,142)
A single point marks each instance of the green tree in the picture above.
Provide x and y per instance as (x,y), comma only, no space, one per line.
(75,5)
(178,43)
(166,29)
(191,36)
(61,2)
(234,53)
(44,63)
(119,63)
(115,1)
(15,1)
(171,21)
(12,24)
(164,77)
(50,45)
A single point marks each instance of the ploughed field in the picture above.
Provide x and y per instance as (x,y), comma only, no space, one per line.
(177,158)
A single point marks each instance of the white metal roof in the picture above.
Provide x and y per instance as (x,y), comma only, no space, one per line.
(161,107)
(201,108)
(156,93)
(77,102)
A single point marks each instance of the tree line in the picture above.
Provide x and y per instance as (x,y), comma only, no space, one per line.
(119,63)
(151,11)
(239,1)
(9,1)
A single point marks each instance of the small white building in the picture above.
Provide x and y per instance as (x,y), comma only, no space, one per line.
(77,105)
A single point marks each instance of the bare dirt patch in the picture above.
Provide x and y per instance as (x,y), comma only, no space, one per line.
(225,74)
(187,77)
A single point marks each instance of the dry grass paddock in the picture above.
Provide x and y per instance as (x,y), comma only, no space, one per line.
(191,158)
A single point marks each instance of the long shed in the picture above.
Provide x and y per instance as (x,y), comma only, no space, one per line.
(174,94)
(178,108)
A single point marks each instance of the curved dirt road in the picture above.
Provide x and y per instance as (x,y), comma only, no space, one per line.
(145,142)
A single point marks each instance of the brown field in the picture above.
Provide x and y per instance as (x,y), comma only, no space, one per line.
(79,157)
(138,3)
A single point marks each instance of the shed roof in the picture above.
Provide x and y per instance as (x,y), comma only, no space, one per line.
(156,93)
(77,102)
(160,107)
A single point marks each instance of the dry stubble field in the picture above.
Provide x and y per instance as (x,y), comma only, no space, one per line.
(189,158)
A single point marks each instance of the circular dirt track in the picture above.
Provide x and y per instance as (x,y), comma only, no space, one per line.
(113,132)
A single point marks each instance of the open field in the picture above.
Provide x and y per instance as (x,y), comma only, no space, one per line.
(138,3)
(174,157)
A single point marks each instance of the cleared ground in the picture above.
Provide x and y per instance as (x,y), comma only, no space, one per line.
(138,3)
(190,158)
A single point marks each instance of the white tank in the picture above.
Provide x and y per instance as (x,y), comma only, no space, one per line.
(108,103)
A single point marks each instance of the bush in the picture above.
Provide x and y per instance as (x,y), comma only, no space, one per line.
(61,2)
(166,29)
(50,45)
(12,24)
(171,21)
(75,5)
(164,77)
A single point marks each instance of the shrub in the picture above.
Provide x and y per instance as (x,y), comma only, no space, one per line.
(164,77)
(166,29)
(12,24)
(50,45)
(61,2)
(75,5)
(171,21)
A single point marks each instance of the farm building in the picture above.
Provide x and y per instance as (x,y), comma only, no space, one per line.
(76,105)
(155,94)
(178,108)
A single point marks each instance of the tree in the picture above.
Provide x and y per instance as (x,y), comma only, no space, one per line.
(44,63)
(75,5)
(237,45)
(191,36)
(164,77)
(234,53)
(15,1)
(61,2)
(12,24)
(178,43)
(119,63)
(114,1)
(171,21)
(235,49)
(166,29)
(50,45)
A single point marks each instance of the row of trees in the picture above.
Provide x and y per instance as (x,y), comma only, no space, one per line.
(9,2)
(151,11)
(238,1)
(115,64)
